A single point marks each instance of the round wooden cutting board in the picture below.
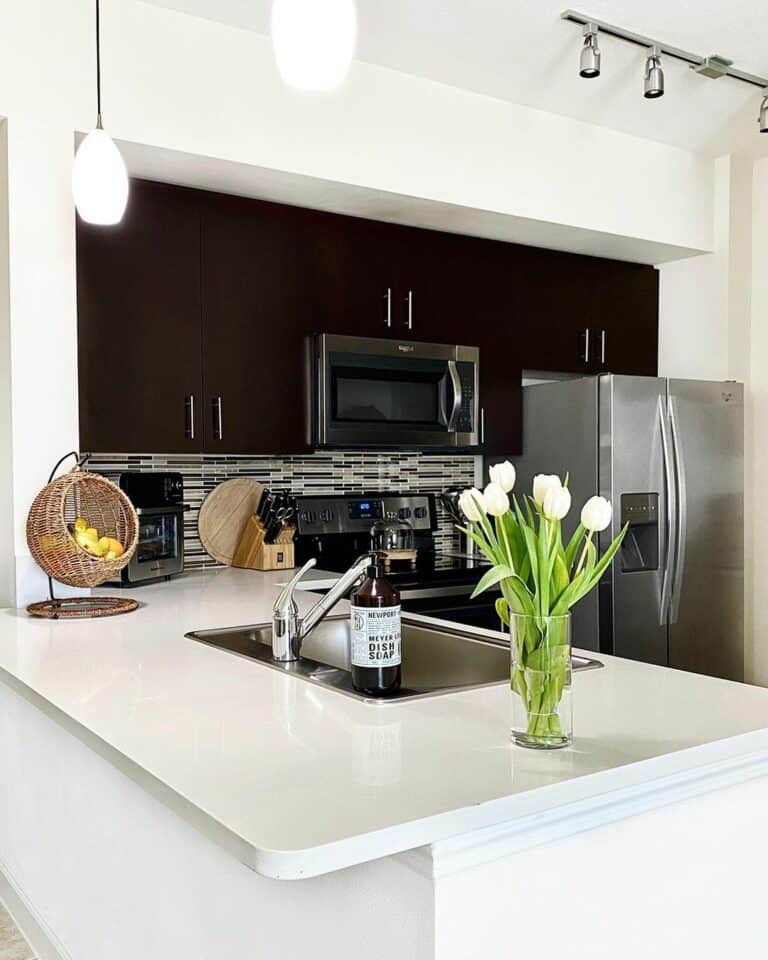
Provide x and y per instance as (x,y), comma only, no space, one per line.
(223,516)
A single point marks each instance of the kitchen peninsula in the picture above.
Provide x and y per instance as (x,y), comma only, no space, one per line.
(202,805)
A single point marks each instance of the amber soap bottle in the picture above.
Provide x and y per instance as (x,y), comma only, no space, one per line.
(375,634)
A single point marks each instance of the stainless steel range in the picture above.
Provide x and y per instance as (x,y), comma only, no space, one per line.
(337,529)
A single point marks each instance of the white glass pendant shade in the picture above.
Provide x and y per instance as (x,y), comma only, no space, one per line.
(100,180)
(314,41)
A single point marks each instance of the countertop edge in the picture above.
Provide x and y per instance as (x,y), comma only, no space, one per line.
(440,844)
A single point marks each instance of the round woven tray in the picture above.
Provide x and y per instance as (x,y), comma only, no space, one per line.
(75,608)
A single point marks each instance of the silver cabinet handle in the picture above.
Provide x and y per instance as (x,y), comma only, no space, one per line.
(603,338)
(482,424)
(388,298)
(585,337)
(218,422)
(189,410)
(409,301)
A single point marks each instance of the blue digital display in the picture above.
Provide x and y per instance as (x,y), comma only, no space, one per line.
(366,510)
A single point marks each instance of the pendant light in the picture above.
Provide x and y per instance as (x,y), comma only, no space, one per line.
(314,41)
(99,177)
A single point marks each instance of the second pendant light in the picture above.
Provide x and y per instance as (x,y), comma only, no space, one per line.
(314,41)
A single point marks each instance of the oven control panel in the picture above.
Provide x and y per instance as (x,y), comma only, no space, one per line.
(319,516)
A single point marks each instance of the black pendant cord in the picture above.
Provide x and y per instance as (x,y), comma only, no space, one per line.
(98,64)
(81,459)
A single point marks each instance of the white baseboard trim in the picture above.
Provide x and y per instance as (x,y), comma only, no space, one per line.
(43,941)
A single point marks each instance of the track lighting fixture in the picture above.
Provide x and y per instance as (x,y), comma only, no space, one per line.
(654,75)
(589,66)
(713,66)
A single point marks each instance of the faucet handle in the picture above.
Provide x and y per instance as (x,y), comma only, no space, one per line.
(285,602)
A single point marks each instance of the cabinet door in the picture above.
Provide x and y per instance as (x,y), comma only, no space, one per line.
(138,305)
(557,295)
(443,291)
(258,312)
(626,338)
(372,256)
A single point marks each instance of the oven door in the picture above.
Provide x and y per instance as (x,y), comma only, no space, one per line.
(455,608)
(385,393)
(160,550)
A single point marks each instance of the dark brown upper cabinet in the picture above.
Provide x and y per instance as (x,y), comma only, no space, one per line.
(197,315)
(138,292)
(257,304)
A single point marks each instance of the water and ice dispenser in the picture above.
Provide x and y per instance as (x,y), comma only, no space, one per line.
(640,549)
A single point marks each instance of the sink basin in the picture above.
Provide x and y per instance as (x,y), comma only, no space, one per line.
(435,660)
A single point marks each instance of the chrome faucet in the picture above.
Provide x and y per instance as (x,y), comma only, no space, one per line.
(288,630)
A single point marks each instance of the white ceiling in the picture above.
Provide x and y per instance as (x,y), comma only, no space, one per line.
(519,50)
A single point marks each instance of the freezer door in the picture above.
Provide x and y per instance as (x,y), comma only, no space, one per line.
(706,632)
(635,475)
(559,436)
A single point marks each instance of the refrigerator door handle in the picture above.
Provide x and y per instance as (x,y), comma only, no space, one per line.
(670,531)
(681,512)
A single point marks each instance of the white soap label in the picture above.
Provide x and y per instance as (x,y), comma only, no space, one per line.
(376,636)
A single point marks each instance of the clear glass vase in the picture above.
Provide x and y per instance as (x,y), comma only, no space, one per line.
(541,681)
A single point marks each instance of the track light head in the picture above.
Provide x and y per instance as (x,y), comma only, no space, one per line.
(654,75)
(763,118)
(589,66)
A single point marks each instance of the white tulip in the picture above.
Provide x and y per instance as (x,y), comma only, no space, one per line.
(496,500)
(472,505)
(504,475)
(596,514)
(542,483)
(557,502)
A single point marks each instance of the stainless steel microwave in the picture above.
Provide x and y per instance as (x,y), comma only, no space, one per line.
(391,393)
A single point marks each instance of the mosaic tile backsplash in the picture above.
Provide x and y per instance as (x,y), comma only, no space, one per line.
(337,472)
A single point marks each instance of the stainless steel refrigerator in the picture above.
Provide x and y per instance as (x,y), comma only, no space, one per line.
(669,454)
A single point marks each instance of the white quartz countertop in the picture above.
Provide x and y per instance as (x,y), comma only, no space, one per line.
(297,780)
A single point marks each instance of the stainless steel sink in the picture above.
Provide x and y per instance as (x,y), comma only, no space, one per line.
(435,661)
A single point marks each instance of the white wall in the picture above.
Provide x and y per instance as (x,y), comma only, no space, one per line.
(7,557)
(757,521)
(202,88)
(705,301)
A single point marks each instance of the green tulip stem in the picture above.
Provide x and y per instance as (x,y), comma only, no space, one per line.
(582,558)
(504,537)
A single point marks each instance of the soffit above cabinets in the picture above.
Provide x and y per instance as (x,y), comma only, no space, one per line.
(520,51)
(207,173)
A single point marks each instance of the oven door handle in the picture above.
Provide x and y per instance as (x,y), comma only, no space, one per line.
(159,511)
(453,373)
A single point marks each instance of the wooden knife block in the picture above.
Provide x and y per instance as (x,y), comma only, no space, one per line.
(254,554)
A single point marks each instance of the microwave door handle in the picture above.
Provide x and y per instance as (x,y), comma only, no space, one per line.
(453,373)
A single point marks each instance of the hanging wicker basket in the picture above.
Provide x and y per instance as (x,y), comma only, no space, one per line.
(50,528)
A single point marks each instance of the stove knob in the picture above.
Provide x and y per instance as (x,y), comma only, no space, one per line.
(421,513)
(326,515)
(404,513)
(309,516)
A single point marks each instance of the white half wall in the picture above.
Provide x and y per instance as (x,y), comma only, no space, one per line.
(201,88)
